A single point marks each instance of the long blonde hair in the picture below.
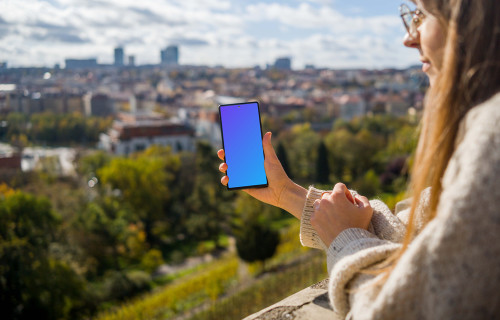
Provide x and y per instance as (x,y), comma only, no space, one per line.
(470,75)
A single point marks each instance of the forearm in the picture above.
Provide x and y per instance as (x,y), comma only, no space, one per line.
(292,199)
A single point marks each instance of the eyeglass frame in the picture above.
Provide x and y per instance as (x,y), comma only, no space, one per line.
(416,18)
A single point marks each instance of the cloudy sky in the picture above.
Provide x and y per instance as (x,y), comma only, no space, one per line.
(233,33)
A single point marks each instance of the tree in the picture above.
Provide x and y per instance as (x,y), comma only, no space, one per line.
(32,284)
(283,157)
(88,165)
(209,205)
(109,235)
(256,242)
(144,183)
(255,239)
(322,168)
(301,146)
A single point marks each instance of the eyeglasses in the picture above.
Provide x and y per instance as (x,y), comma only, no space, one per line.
(411,19)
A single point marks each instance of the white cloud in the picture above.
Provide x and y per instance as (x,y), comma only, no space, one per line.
(324,17)
(208,32)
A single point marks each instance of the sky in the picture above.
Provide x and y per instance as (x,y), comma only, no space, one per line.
(232,33)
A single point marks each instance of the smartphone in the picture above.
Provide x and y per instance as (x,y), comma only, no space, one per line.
(241,132)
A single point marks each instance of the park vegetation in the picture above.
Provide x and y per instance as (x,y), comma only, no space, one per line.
(74,248)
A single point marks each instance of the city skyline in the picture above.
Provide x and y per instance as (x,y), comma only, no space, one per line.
(324,33)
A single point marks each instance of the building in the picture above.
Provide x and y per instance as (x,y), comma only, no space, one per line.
(119,57)
(81,63)
(351,105)
(208,127)
(10,160)
(284,63)
(136,132)
(170,56)
(131,61)
(57,161)
(3,65)
(99,104)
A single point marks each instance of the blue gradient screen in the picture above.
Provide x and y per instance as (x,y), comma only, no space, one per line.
(242,141)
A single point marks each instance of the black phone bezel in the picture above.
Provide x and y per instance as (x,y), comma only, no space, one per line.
(261,136)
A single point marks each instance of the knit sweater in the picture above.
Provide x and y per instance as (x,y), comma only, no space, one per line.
(451,269)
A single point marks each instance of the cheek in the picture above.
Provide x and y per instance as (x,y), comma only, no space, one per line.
(433,41)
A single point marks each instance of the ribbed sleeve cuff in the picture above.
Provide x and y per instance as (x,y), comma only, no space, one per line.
(350,241)
(308,236)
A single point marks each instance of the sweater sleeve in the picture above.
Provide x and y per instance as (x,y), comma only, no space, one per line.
(451,267)
(308,236)
(384,224)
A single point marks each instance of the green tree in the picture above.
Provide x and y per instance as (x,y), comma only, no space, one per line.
(283,157)
(339,144)
(368,185)
(255,239)
(301,144)
(322,168)
(108,234)
(88,165)
(144,183)
(210,203)
(32,284)
(256,242)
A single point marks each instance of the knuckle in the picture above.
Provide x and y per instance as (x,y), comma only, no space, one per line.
(339,185)
(338,189)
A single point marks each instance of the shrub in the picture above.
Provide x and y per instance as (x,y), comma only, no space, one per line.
(152,260)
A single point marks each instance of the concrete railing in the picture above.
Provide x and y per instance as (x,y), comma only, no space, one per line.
(310,303)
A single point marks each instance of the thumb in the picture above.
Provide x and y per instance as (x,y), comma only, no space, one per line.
(268,146)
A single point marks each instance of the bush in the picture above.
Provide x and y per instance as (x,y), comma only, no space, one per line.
(120,285)
(256,242)
(152,260)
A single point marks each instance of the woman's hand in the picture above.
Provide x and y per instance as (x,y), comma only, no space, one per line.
(335,212)
(281,192)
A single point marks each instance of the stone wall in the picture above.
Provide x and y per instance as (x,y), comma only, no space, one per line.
(310,303)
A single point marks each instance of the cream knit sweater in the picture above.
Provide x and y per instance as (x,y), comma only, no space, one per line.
(451,270)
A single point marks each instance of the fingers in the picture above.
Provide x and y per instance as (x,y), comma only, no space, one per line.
(339,189)
(221,154)
(316,204)
(224,180)
(362,201)
(268,147)
(223,167)
(325,194)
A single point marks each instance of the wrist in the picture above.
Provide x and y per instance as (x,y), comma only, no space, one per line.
(292,198)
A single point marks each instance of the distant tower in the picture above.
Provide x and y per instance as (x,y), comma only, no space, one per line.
(131,61)
(170,56)
(284,63)
(119,55)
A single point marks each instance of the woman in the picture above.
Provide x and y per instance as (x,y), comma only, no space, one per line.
(438,257)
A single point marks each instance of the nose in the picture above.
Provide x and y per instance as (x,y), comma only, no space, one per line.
(411,41)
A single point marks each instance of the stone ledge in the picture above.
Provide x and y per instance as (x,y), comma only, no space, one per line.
(310,303)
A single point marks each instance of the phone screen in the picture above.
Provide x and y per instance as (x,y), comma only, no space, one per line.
(242,143)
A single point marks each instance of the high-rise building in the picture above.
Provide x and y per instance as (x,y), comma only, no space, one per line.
(80,63)
(119,56)
(170,56)
(284,63)
(3,65)
(131,61)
